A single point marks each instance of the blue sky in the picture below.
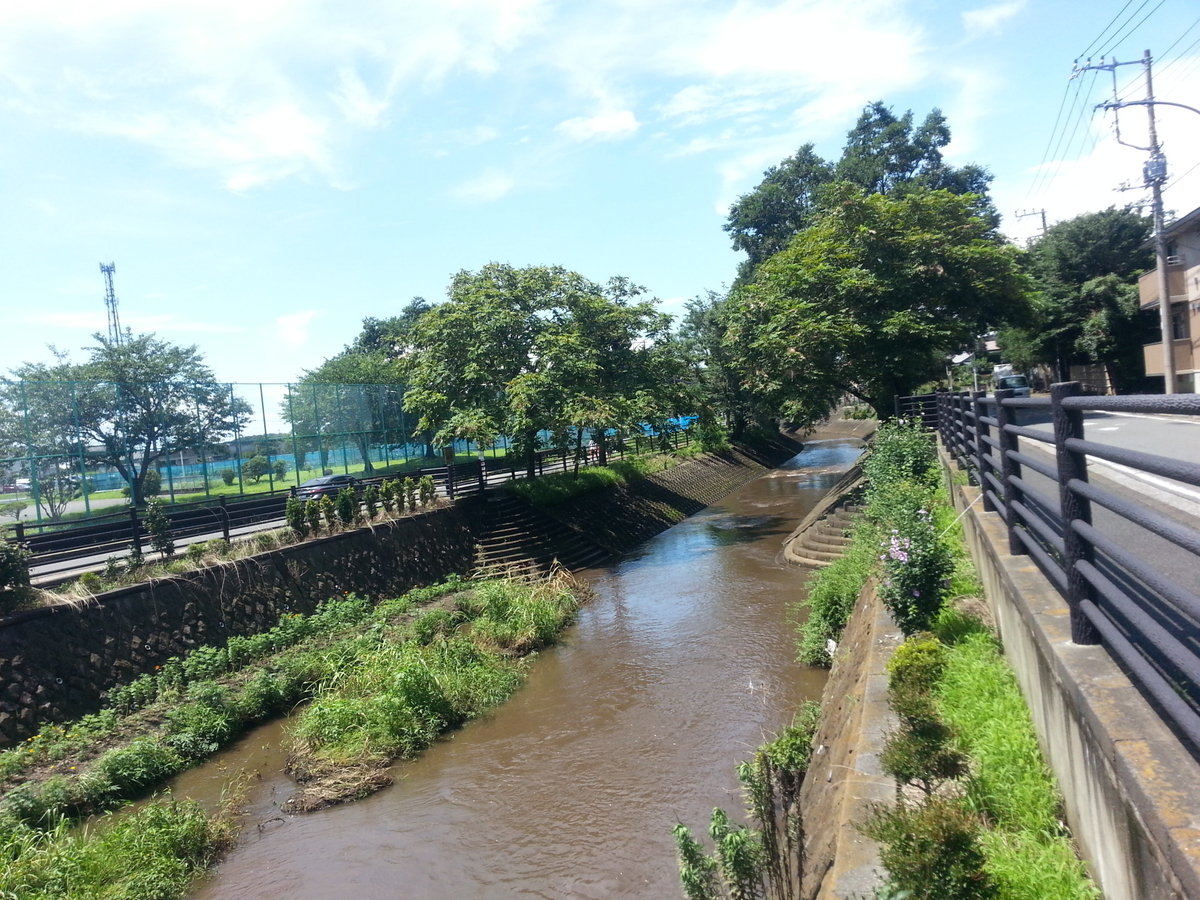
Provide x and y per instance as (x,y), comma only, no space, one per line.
(265,174)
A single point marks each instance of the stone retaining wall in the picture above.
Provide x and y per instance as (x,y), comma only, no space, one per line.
(56,662)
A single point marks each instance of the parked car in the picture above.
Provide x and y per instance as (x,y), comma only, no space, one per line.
(1018,384)
(326,484)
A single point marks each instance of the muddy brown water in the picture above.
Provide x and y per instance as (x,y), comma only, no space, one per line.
(679,668)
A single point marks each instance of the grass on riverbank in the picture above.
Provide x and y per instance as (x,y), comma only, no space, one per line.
(980,816)
(559,487)
(385,681)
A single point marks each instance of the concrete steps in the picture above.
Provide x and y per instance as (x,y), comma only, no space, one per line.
(826,539)
(520,541)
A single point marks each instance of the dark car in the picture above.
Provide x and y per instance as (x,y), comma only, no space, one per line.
(326,484)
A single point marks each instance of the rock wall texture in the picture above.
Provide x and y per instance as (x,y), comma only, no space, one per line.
(57,662)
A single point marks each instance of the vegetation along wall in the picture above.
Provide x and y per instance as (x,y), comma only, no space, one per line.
(56,662)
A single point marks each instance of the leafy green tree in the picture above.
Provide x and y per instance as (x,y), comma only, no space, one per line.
(134,401)
(1086,306)
(883,154)
(521,351)
(255,468)
(870,299)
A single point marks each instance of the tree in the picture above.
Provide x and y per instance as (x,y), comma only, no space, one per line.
(883,154)
(358,394)
(126,407)
(522,351)
(870,299)
(255,468)
(1086,308)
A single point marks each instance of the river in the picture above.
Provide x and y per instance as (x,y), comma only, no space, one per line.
(681,666)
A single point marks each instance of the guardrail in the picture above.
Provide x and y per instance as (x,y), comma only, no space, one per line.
(1148,621)
(57,547)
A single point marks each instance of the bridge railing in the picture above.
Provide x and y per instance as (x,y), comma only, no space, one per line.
(1147,619)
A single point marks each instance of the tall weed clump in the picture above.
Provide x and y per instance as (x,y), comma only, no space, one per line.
(765,860)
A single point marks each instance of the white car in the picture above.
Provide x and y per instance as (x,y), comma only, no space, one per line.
(1018,384)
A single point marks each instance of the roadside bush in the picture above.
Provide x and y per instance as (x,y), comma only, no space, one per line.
(329,512)
(410,494)
(387,495)
(312,514)
(917,563)
(371,501)
(901,451)
(427,489)
(91,582)
(14,575)
(347,506)
(933,849)
(162,538)
(295,516)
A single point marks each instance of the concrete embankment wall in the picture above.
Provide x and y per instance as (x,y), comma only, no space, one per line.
(845,780)
(57,662)
(1132,792)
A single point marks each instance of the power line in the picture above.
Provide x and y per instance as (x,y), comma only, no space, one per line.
(1101,35)
(1043,174)
(1182,34)
(1059,159)
(1050,140)
(1117,41)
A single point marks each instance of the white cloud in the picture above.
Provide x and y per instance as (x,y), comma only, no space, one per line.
(292,329)
(485,188)
(606,126)
(988,19)
(254,91)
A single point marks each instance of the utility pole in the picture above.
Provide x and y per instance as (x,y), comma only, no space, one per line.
(1034,212)
(110,303)
(1154,175)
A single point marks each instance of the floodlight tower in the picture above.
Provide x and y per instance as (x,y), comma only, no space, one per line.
(110,302)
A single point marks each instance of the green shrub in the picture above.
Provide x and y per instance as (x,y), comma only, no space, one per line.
(832,593)
(195,552)
(279,469)
(295,515)
(162,538)
(347,506)
(916,561)
(91,582)
(371,501)
(427,489)
(387,495)
(255,468)
(312,513)
(901,452)
(329,512)
(228,476)
(410,494)
(933,849)
(14,575)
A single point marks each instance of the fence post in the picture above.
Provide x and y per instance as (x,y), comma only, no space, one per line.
(1009,469)
(1068,423)
(134,531)
(896,405)
(981,447)
(224,517)
(20,531)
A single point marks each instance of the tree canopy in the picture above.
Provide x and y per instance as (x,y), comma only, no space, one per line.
(520,351)
(870,298)
(126,406)
(883,154)
(1085,309)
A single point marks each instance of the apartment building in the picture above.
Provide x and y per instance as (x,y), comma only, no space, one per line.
(1183,284)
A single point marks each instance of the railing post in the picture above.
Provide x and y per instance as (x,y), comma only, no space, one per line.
(20,531)
(134,531)
(960,431)
(896,404)
(979,408)
(1009,469)
(1068,423)
(224,517)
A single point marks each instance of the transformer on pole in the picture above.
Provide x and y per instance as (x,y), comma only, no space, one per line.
(110,302)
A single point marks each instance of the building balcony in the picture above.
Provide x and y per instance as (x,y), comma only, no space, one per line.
(1184,359)
(1176,284)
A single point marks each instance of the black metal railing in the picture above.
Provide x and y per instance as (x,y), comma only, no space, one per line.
(61,548)
(1117,591)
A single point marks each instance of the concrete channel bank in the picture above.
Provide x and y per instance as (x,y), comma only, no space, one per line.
(1132,792)
(57,662)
